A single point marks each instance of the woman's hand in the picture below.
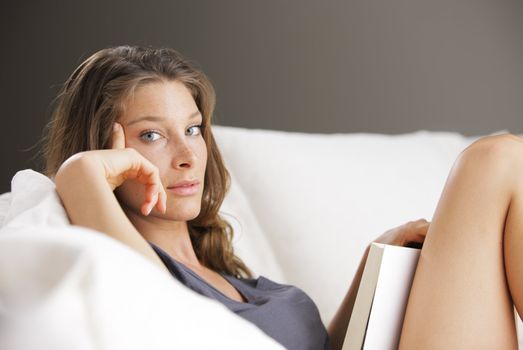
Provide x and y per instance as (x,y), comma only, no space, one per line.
(85,183)
(412,234)
(120,163)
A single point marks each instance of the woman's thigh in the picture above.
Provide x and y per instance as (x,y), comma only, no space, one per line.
(459,297)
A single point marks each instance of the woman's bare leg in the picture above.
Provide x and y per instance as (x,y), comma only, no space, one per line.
(470,270)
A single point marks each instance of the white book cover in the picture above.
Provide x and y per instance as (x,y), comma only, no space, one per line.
(380,304)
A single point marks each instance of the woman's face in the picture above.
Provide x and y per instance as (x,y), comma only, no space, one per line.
(162,122)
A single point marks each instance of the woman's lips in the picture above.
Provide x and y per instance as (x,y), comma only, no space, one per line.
(184,190)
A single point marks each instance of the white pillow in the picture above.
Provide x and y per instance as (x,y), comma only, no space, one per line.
(249,241)
(70,287)
(73,288)
(5,203)
(321,198)
(33,201)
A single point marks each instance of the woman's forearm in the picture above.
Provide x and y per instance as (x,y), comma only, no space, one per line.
(338,327)
(90,202)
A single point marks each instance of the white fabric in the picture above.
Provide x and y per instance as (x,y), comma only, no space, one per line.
(304,206)
(5,202)
(68,287)
(319,199)
(249,240)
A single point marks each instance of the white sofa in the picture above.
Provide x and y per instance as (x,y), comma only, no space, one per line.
(303,206)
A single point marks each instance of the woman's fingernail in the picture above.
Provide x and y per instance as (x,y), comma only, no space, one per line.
(115,126)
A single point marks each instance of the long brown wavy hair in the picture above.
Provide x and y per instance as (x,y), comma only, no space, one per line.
(93,97)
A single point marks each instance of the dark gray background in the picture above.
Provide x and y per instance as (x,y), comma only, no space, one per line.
(383,66)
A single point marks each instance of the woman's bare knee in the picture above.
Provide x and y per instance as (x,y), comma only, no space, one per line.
(501,147)
(500,156)
(460,286)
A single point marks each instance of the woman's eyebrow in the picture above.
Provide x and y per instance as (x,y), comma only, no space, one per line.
(154,118)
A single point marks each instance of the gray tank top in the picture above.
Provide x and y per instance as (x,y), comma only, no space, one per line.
(283,312)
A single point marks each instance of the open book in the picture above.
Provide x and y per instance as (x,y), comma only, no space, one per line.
(379,309)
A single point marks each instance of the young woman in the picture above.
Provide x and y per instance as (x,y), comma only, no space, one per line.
(131,151)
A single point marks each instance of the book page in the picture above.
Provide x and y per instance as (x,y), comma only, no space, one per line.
(396,274)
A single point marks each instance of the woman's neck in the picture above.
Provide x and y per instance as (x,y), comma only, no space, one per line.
(171,236)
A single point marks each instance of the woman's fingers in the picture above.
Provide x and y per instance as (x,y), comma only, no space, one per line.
(139,168)
(411,234)
(154,190)
(155,197)
(418,231)
(121,163)
(162,198)
(148,205)
(118,139)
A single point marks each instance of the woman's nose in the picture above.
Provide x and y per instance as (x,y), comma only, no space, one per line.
(183,155)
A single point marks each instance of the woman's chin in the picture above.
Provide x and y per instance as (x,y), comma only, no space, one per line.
(178,214)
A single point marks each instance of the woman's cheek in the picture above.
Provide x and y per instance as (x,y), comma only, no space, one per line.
(202,150)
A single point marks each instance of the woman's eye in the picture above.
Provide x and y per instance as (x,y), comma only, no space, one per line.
(148,136)
(199,128)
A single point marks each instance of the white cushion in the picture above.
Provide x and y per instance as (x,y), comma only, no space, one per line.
(70,287)
(321,198)
(5,202)
(311,236)
(250,242)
